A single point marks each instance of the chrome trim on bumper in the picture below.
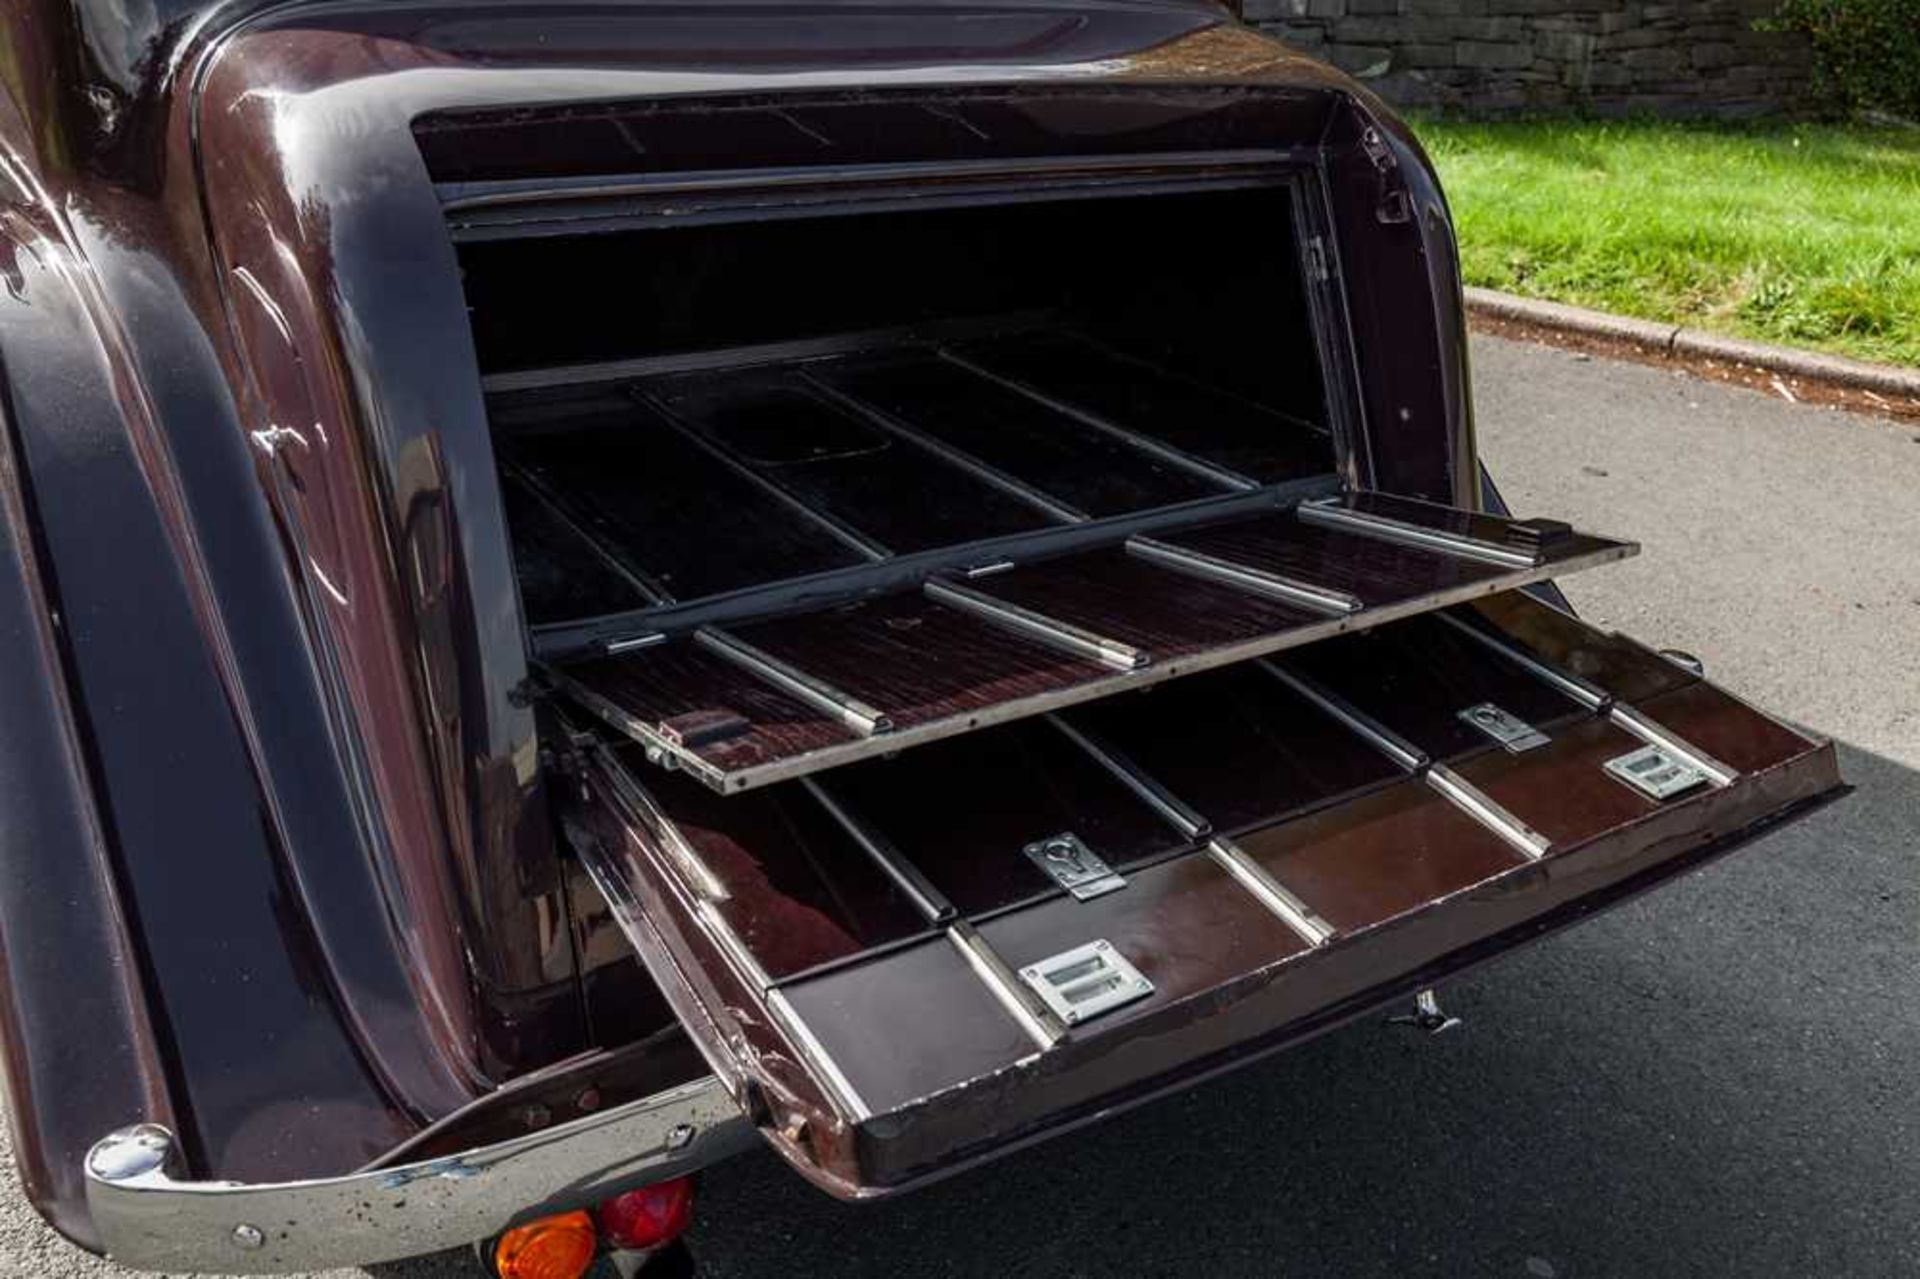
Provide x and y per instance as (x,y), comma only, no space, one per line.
(150,1220)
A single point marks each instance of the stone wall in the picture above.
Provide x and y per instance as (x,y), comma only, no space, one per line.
(1693,57)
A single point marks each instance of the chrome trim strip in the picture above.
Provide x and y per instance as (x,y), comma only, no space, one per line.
(848,709)
(1478,805)
(1048,630)
(961,460)
(1038,1022)
(1328,514)
(1092,690)
(1212,568)
(818,1058)
(1177,812)
(926,898)
(150,1219)
(1585,692)
(1274,895)
(1378,735)
(1225,477)
(1656,734)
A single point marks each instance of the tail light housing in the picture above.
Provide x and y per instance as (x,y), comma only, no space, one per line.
(558,1247)
(649,1216)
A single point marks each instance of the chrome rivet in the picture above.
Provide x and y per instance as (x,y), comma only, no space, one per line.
(680,1137)
(536,1116)
(249,1237)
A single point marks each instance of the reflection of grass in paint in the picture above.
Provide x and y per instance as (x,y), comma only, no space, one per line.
(1792,233)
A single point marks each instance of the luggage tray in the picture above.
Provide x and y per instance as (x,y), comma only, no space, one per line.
(891,967)
(754,702)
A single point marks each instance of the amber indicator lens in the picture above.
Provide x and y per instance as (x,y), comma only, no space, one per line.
(559,1247)
(649,1216)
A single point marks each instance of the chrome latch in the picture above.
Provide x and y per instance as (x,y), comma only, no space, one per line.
(1427,1015)
(1074,866)
(1086,981)
(1655,771)
(1504,727)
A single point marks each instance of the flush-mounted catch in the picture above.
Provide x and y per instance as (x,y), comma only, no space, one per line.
(1086,981)
(1074,866)
(1504,727)
(1655,771)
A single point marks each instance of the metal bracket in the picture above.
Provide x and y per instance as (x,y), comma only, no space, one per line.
(1427,1015)
(1074,866)
(1504,727)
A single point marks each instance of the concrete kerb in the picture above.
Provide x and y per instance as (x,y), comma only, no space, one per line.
(1682,342)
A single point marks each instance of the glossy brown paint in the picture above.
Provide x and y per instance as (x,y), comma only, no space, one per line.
(293,744)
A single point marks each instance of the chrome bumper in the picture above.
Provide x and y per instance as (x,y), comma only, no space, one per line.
(149,1220)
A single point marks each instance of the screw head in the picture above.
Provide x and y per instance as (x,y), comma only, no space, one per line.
(249,1237)
(536,1116)
(680,1137)
(138,1151)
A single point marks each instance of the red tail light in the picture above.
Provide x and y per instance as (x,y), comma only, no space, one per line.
(649,1216)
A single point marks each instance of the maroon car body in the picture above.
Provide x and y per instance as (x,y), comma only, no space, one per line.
(285,781)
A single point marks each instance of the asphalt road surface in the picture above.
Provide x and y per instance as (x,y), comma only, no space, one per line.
(1721,1079)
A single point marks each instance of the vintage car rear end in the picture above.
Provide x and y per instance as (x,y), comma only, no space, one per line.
(595,583)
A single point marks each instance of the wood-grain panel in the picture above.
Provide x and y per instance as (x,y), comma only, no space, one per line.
(1385,853)
(1080,465)
(1119,596)
(963,810)
(1237,745)
(888,490)
(1373,571)
(796,890)
(1223,429)
(1491,530)
(909,1023)
(677,688)
(1628,670)
(561,576)
(917,660)
(1563,789)
(1186,924)
(664,506)
(1415,677)
(1724,727)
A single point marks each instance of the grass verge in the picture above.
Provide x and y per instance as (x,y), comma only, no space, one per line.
(1802,234)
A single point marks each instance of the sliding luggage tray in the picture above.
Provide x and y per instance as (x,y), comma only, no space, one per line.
(913,962)
(747,703)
